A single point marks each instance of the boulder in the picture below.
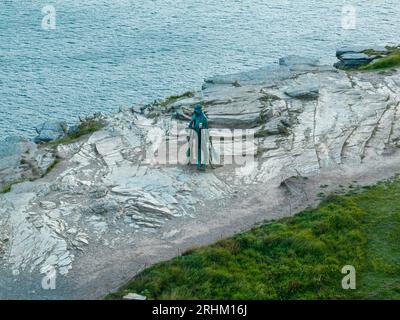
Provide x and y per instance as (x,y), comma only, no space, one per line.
(352,50)
(50,131)
(293,61)
(354,57)
(354,60)
(304,92)
(134,296)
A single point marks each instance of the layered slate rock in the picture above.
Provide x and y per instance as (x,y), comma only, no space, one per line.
(114,184)
(266,75)
(297,63)
(354,50)
(354,60)
(356,57)
(21,160)
(303,92)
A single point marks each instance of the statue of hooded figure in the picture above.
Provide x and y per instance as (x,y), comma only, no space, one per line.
(199,138)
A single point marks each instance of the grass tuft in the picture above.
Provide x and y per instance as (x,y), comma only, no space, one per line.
(6,189)
(51,166)
(87,126)
(388,62)
(175,98)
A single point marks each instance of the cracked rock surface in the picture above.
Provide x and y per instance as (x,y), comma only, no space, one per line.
(107,210)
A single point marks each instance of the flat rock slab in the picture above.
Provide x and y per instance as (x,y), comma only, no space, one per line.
(303,92)
(359,50)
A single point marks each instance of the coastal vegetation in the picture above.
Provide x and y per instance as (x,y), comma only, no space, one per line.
(51,166)
(390,61)
(300,257)
(386,60)
(379,59)
(166,102)
(86,126)
(6,189)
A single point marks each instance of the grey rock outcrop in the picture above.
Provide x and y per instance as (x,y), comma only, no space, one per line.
(51,130)
(21,160)
(297,63)
(134,296)
(303,92)
(356,50)
(116,193)
(355,57)
(353,60)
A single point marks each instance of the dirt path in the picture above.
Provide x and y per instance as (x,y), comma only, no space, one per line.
(98,273)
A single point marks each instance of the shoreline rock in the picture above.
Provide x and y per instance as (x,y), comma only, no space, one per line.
(352,58)
(111,193)
(22,160)
(50,131)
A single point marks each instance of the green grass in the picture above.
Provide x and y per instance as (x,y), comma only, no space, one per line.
(262,133)
(372,52)
(85,127)
(51,166)
(6,189)
(388,62)
(174,98)
(384,60)
(300,257)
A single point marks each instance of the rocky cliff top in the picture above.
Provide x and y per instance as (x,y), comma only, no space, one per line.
(108,209)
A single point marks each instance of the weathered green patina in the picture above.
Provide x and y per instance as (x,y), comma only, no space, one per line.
(199,121)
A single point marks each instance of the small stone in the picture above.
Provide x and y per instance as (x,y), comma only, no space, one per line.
(72,231)
(83,240)
(134,296)
(48,205)
(50,131)
(310,92)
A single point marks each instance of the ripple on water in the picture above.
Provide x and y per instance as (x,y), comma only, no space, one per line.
(104,55)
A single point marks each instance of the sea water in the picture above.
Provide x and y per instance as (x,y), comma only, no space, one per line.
(102,55)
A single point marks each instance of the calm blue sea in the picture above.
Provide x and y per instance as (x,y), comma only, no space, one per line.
(109,54)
